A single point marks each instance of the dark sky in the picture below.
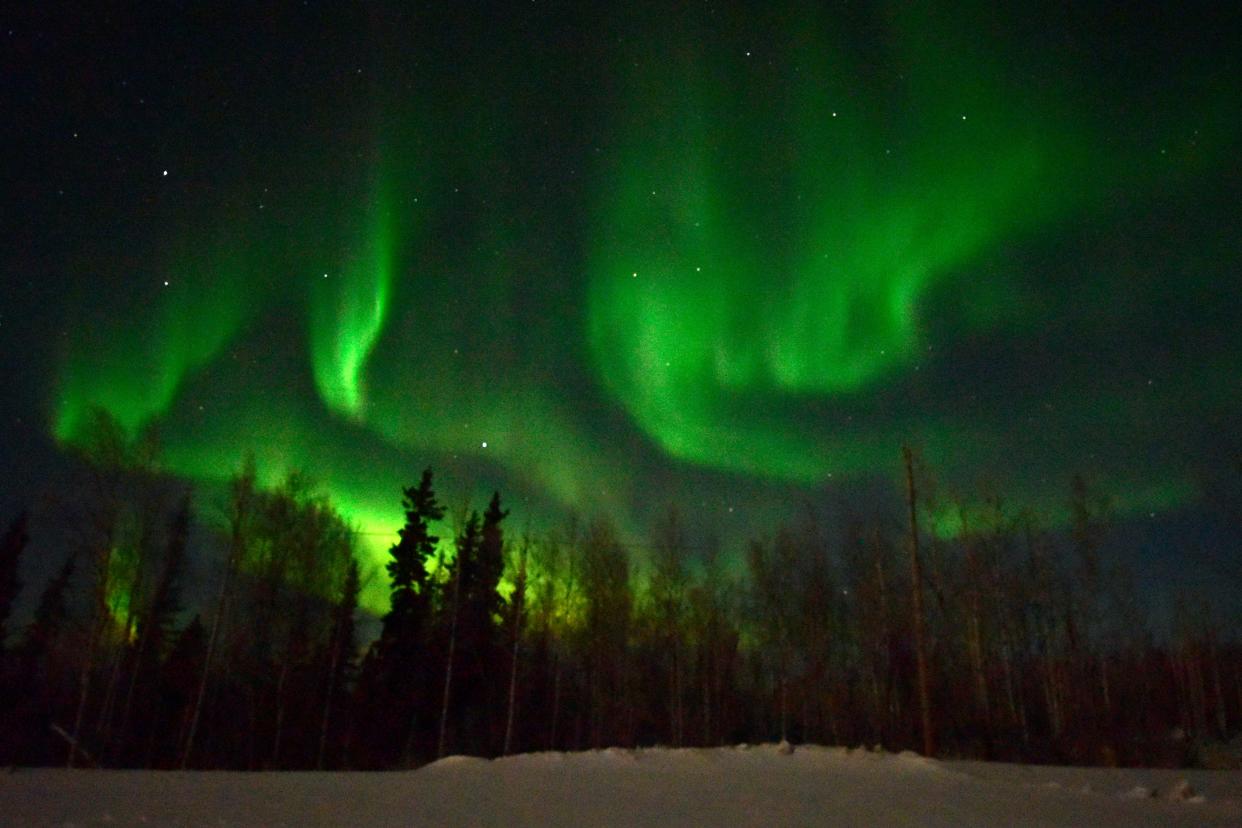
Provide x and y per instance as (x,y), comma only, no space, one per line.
(606,259)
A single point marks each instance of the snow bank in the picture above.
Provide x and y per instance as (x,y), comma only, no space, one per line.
(762,785)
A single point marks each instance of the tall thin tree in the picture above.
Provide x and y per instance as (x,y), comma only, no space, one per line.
(916,599)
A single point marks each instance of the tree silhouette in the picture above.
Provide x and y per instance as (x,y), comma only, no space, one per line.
(396,686)
(11,546)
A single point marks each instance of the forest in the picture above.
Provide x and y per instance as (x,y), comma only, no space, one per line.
(1007,639)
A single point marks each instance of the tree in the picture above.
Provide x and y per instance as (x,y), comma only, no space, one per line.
(608,608)
(517,610)
(156,620)
(479,568)
(180,685)
(407,570)
(11,546)
(120,502)
(395,686)
(39,694)
(242,494)
(342,654)
(773,582)
(717,637)
(467,549)
(668,588)
(916,602)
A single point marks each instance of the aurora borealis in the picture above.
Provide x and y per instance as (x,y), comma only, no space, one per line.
(604,260)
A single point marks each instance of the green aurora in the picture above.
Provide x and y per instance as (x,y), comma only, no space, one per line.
(774,263)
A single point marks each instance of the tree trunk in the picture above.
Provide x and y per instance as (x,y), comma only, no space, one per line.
(556,699)
(274,762)
(216,624)
(333,665)
(84,691)
(448,668)
(519,600)
(916,586)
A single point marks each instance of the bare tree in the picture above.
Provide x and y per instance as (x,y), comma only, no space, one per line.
(916,601)
(241,503)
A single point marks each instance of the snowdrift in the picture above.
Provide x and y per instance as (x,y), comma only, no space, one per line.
(760,786)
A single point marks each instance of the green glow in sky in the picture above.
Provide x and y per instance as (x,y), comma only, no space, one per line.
(132,360)
(706,265)
(707,292)
(348,311)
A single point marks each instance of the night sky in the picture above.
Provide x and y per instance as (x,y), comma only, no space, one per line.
(610,259)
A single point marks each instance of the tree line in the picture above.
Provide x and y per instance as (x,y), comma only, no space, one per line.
(1006,640)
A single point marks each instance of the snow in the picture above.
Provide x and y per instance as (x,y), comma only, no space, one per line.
(764,785)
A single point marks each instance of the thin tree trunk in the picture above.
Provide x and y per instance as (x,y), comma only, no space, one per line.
(916,586)
(280,709)
(127,707)
(448,667)
(103,560)
(216,625)
(518,605)
(1218,689)
(707,700)
(784,698)
(333,665)
(84,684)
(556,699)
(881,661)
(103,725)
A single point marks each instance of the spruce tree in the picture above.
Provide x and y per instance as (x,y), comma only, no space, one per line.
(11,547)
(484,598)
(479,566)
(49,619)
(40,691)
(407,570)
(395,687)
(463,563)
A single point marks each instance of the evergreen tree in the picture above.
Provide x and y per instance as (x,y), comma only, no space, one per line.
(395,688)
(479,567)
(11,547)
(463,566)
(407,571)
(42,690)
(49,619)
(482,597)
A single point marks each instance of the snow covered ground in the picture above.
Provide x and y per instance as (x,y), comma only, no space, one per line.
(734,786)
